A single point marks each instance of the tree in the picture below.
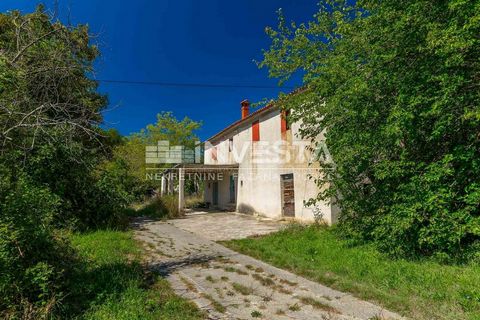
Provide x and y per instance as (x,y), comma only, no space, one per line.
(167,128)
(51,156)
(45,91)
(395,84)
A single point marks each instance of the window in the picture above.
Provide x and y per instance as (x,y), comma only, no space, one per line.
(256,131)
(230,144)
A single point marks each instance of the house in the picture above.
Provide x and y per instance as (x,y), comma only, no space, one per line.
(262,166)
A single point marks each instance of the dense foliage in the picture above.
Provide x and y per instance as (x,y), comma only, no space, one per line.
(56,167)
(59,170)
(396,87)
(33,256)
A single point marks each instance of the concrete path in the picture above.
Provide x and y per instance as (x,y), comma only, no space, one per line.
(229,285)
(219,226)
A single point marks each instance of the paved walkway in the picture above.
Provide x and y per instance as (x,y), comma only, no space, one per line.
(229,285)
(219,226)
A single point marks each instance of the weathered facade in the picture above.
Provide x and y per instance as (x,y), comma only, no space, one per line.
(275,174)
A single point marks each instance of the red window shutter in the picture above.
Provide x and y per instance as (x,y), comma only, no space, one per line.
(256,131)
(284,126)
(283,123)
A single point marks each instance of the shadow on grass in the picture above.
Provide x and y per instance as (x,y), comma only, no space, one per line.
(92,285)
(110,281)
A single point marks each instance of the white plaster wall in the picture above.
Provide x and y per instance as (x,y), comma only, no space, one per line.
(259,185)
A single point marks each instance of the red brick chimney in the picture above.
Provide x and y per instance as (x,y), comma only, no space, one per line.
(245,108)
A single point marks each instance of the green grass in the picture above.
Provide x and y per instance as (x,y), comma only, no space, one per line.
(114,285)
(418,289)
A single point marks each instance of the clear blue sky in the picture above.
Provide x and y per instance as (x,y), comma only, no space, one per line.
(187,41)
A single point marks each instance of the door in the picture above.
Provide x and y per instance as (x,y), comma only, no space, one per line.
(215,194)
(288,195)
(232,189)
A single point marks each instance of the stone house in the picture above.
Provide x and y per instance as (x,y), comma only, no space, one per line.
(263,167)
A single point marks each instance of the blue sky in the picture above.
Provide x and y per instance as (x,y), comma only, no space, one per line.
(185,41)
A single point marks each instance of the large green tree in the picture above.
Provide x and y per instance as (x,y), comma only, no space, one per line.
(166,128)
(51,148)
(396,86)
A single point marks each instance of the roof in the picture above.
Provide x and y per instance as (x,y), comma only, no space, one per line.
(268,107)
(236,124)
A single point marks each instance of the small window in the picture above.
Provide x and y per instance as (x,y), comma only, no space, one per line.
(256,131)
(230,144)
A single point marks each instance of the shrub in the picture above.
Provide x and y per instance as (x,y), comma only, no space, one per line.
(33,257)
(94,191)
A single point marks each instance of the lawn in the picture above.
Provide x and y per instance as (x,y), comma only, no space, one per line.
(114,285)
(416,289)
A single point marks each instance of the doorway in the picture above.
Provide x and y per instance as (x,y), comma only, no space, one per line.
(232,189)
(215,193)
(288,195)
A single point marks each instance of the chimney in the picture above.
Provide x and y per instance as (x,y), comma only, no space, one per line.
(245,108)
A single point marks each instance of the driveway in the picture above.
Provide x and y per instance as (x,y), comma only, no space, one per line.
(229,285)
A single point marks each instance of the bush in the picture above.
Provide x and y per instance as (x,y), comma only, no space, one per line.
(94,191)
(33,257)
(114,189)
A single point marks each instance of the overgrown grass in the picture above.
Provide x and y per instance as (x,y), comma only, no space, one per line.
(114,285)
(418,289)
(157,208)
(194,201)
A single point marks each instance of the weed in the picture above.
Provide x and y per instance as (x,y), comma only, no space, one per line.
(318,304)
(215,304)
(240,288)
(290,283)
(294,307)
(256,314)
(264,281)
